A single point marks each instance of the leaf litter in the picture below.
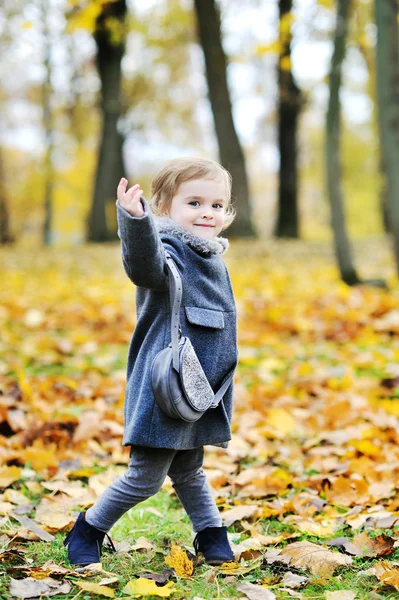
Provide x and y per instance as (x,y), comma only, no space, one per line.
(317,412)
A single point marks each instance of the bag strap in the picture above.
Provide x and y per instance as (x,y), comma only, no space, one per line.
(176,293)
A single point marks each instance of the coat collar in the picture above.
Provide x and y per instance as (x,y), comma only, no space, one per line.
(217,245)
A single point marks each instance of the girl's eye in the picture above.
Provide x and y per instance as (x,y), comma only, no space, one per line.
(197,202)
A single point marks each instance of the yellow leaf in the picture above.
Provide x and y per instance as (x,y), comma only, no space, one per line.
(8,475)
(366,447)
(94,588)
(84,18)
(39,456)
(147,587)
(179,561)
(286,22)
(280,419)
(272,48)
(285,63)
(235,568)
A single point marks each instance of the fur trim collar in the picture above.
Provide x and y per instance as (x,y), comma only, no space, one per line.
(217,245)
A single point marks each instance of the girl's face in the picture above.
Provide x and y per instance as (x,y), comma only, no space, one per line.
(199,206)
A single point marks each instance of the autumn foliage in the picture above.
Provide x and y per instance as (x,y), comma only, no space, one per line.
(315,433)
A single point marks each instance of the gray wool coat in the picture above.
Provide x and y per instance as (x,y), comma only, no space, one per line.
(207,317)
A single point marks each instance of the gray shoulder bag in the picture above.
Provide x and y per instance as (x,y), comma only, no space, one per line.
(179,384)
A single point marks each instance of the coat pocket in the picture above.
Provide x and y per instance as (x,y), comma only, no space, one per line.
(205,317)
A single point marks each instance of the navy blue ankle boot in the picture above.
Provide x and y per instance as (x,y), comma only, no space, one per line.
(213,543)
(84,543)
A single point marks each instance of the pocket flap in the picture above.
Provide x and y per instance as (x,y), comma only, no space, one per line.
(205,317)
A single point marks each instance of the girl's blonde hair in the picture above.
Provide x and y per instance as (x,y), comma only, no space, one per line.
(175,172)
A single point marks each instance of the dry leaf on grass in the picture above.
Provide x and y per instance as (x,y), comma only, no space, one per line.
(180,562)
(363,545)
(292,580)
(15,497)
(146,587)
(143,544)
(318,560)
(108,581)
(53,515)
(381,545)
(387,574)
(95,588)
(8,475)
(32,526)
(161,577)
(290,592)
(234,568)
(33,588)
(237,513)
(255,592)
(341,595)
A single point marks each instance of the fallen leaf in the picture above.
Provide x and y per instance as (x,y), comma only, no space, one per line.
(255,592)
(108,581)
(179,561)
(381,545)
(385,573)
(53,515)
(8,475)
(95,588)
(320,561)
(145,587)
(291,592)
(32,588)
(15,497)
(341,595)
(237,513)
(234,568)
(159,577)
(143,544)
(32,526)
(292,580)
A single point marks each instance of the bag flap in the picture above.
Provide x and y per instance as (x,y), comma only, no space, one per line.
(205,317)
(198,391)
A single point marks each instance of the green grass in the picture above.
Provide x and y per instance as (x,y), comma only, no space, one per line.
(207,583)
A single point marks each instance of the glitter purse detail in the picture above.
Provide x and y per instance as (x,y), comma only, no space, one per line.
(179,384)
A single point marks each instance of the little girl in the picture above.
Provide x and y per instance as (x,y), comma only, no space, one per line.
(191,205)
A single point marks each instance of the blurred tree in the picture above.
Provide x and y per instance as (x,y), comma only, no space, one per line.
(49,172)
(332,148)
(231,154)
(387,59)
(5,233)
(364,16)
(109,35)
(289,106)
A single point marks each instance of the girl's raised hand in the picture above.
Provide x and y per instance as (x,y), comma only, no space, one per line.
(130,199)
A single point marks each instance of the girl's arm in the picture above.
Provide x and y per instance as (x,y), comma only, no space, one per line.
(143,251)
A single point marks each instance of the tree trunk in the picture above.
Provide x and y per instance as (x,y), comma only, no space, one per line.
(48,128)
(230,151)
(368,56)
(5,234)
(110,161)
(386,18)
(289,106)
(333,134)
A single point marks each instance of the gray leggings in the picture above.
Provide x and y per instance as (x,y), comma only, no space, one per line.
(145,475)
